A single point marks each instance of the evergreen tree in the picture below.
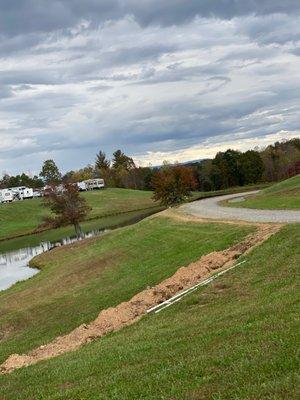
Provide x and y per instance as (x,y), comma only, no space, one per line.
(122,162)
(102,163)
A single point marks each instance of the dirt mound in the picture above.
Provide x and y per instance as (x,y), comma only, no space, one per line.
(126,313)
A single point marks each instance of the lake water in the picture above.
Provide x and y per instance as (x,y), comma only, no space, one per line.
(14,265)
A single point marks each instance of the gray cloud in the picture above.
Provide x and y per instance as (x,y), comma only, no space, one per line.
(20,16)
(145,76)
(5,92)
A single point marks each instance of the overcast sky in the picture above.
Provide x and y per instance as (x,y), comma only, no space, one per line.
(160,79)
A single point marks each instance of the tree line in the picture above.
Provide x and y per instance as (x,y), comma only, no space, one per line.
(234,168)
(226,169)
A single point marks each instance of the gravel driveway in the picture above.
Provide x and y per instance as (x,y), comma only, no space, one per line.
(209,208)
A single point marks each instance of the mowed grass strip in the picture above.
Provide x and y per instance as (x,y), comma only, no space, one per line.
(235,339)
(77,281)
(22,218)
(282,195)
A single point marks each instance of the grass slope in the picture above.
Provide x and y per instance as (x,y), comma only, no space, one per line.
(77,281)
(235,339)
(282,195)
(54,235)
(22,218)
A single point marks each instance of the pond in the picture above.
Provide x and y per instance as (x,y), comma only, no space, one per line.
(14,265)
(15,254)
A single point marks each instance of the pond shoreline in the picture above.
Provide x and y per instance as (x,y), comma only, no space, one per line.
(16,264)
(37,231)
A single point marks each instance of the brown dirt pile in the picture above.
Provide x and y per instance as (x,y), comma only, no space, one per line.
(126,313)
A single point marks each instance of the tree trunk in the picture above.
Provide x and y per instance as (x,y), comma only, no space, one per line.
(78,230)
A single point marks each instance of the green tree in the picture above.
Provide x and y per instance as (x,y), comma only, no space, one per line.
(122,167)
(21,180)
(102,163)
(228,164)
(209,176)
(50,173)
(122,162)
(251,167)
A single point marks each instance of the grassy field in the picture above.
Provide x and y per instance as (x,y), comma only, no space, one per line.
(282,195)
(55,235)
(77,281)
(235,339)
(22,218)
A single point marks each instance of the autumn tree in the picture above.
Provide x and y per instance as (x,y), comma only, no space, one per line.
(173,184)
(50,173)
(279,157)
(82,174)
(67,207)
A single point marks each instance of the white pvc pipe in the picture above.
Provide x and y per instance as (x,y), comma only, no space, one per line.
(179,296)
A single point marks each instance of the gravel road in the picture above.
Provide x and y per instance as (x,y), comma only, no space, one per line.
(209,208)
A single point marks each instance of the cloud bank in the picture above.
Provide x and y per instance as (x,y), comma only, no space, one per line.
(170,80)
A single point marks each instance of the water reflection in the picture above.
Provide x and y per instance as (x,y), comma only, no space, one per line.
(14,265)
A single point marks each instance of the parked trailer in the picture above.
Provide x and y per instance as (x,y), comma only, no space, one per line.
(37,193)
(95,184)
(6,196)
(22,192)
(81,186)
(91,184)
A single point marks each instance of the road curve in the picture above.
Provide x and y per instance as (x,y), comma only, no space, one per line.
(209,208)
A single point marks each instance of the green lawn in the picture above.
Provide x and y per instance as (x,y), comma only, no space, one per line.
(77,281)
(235,339)
(55,235)
(22,218)
(282,195)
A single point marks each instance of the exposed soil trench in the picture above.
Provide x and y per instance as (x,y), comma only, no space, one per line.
(126,313)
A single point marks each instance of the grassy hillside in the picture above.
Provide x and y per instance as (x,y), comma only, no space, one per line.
(21,218)
(282,195)
(235,339)
(77,281)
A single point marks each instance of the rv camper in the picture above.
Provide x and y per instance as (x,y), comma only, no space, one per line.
(91,184)
(37,193)
(6,196)
(22,192)
(81,186)
(94,184)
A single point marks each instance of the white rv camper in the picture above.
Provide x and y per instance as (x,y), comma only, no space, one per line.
(37,193)
(94,184)
(6,196)
(91,184)
(81,186)
(22,192)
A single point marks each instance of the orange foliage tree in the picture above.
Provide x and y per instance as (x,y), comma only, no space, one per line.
(172,185)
